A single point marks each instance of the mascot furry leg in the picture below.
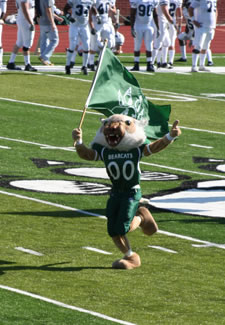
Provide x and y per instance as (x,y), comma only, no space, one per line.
(131,260)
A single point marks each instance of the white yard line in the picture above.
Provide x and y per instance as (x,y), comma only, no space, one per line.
(61,304)
(103,217)
(199,146)
(29,251)
(4,147)
(182,170)
(167,250)
(48,106)
(52,204)
(41,145)
(96,113)
(191,239)
(93,249)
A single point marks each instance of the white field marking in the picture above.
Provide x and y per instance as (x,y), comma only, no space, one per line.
(52,163)
(178,94)
(182,170)
(184,73)
(170,234)
(144,163)
(216,160)
(41,145)
(4,147)
(199,146)
(173,98)
(96,250)
(163,249)
(202,246)
(96,113)
(49,106)
(58,148)
(201,130)
(29,251)
(214,95)
(52,204)
(103,217)
(61,304)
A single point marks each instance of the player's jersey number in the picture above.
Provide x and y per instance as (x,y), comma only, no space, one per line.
(211,6)
(127,170)
(82,11)
(144,10)
(103,8)
(172,9)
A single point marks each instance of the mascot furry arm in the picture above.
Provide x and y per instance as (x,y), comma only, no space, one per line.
(121,132)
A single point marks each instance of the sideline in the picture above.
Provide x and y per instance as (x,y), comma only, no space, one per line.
(61,304)
(103,217)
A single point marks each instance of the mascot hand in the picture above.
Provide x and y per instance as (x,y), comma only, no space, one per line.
(175,130)
(77,135)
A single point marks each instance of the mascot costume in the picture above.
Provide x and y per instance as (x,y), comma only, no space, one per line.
(120,143)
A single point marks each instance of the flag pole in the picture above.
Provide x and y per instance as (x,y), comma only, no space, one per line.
(92,87)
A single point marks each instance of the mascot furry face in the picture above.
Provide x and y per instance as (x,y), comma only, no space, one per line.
(121,132)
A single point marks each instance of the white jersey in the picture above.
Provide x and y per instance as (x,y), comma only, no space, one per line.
(20,16)
(80,10)
(205,12)
(103,7)
(3,6)
(161,16)
(144,14)
(174,4)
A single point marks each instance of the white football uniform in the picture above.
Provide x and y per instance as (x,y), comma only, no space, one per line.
(205,12)
(79,30)
(25,37)
(105,29)
(144,23)
(163,38)
(174,5)
(3,8)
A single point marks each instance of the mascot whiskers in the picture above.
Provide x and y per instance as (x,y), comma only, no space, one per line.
(120,143)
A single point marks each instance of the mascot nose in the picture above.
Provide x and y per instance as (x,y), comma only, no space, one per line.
(114,125)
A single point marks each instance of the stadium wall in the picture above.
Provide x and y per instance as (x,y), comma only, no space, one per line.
(124,7)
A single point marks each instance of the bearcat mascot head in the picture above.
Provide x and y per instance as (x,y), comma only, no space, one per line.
(121,132)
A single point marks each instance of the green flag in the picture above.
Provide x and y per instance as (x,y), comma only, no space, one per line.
(116,91)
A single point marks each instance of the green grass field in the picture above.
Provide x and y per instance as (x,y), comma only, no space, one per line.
(54,246)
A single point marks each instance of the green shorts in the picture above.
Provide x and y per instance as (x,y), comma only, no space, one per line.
(120,211)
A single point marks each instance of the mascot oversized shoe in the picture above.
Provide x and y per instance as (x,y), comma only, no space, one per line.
(127,263)
(148,224)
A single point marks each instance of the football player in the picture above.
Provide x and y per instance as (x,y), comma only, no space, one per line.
(175,11)
(79,30)
(25,34)
(103,28)
(142,15)
(188,34)
(203,14)
(162,41)
(3,8)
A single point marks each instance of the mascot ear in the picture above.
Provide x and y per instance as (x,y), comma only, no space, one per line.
(103,121)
